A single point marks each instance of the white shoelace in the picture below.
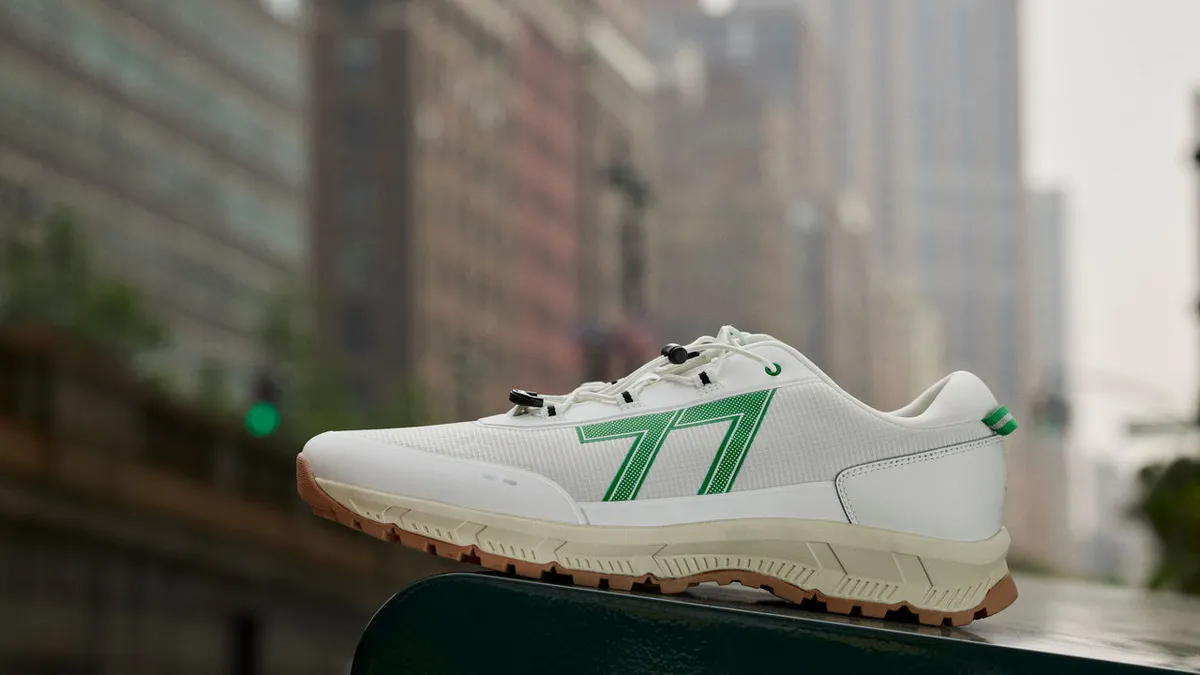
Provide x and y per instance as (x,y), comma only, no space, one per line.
(712,351)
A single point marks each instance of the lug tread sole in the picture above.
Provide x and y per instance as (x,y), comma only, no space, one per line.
(1002,594)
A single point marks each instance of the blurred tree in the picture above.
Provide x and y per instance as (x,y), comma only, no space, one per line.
(1169,504)
(316,387)
(406,407)
(212,386)
(47,275)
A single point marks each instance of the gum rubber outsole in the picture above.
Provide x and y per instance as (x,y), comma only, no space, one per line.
(1000,596)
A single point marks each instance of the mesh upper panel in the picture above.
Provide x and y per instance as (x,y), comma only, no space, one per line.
(810,433)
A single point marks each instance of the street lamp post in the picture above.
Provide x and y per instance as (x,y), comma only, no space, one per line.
(626,178)
(1185,426)
(1196,165)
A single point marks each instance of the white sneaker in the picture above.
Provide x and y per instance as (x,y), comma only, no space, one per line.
(732,458)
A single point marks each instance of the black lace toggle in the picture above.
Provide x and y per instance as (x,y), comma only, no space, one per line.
(529,399)
(677,354)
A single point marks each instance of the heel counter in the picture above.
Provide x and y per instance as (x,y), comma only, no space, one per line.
(951,493)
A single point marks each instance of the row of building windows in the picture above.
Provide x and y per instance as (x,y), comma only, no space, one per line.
(357,56)
(105,139)
(476,289)
(549,86)
(461,227)
(182,277)
(547,203)
(547,146)
(167,81)
(457,76)
(210,309)
(142,251)
(466,365)
(965,110)
(275,60)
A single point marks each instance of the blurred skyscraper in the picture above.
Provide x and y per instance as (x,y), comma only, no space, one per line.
(413,235)
(175,130)
(837,300)
(738,110)
(926,123)
(756,182)
(467,224)
(547,198)
(1047,268)
(1196,168)
(777,46)
(722,208)
(907,354)
(620,190)
(1042,492)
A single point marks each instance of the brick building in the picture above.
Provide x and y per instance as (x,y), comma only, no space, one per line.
(176,131)
(547,198)
(466,238)
(412,222)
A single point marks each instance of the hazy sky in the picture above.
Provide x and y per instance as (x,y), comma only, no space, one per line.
(1108,118)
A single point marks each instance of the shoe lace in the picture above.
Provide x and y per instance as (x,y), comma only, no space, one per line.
(708,351)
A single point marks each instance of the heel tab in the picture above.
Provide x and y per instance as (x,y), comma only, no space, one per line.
(1001,421)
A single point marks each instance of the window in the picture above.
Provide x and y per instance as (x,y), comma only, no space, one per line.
(356,328)
(358,55)
(352,266)
(355,127)
(740,41)
(357,198)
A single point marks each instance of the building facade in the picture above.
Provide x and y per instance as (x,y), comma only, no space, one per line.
(1044,474)
(778,46)
(547,196)
(839,303)
(724,250)
(175,131)
(738,115)
(619,172)
(618,180)
(412,216)
(906,343)
(472,221)
(143,537)
(927,126)
(1048,266)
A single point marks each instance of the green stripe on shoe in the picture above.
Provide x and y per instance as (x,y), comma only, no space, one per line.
(1001,421)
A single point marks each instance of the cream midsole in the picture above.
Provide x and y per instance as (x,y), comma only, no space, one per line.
(838,559)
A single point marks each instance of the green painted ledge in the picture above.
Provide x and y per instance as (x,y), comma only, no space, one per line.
(478,622)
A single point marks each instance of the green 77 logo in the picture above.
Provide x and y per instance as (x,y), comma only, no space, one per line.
(744,412)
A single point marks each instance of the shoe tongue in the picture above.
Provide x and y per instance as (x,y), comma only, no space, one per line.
(732,335)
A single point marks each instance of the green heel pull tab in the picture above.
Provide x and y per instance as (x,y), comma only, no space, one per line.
(1001,421)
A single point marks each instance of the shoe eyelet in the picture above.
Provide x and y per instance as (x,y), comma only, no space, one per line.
(777,371)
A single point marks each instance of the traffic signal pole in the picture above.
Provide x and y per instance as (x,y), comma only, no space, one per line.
(1189,426)
(263,417)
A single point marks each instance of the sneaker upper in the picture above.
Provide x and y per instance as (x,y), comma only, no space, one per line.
(743,426)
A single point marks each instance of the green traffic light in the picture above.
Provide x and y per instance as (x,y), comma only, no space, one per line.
(262,419)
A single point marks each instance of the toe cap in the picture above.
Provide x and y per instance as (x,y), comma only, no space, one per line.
(351,458)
